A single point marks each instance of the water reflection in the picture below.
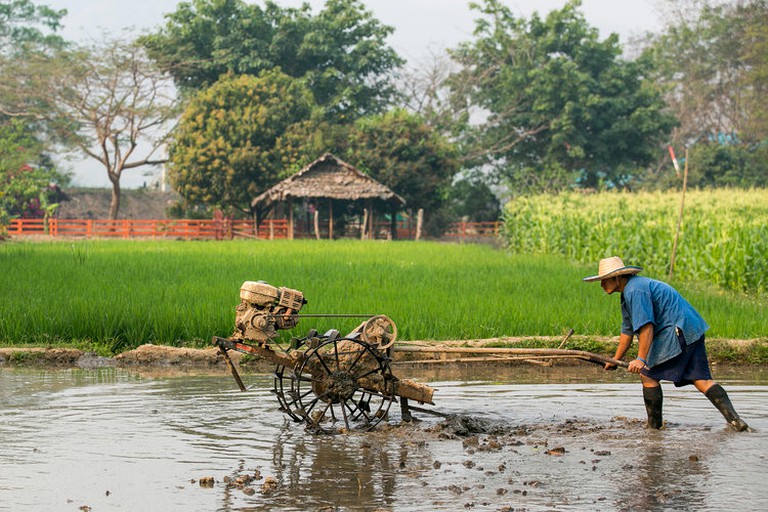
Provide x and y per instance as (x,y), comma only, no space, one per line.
(666,478)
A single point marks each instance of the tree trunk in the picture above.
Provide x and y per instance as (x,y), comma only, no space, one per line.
(114,206)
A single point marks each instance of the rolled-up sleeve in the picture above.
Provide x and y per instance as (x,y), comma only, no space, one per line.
(639,307)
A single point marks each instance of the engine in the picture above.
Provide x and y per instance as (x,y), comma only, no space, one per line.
(265,309)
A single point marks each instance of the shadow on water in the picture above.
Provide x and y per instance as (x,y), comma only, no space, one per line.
(552,439)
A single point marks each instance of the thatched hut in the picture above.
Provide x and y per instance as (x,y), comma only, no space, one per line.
(326,181)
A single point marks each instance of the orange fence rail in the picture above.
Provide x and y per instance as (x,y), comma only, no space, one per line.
(216,229)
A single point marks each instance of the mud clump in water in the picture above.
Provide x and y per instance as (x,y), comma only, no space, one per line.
(269,486)
(468,426)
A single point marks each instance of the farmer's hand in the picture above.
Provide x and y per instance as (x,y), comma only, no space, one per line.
(610,366)
(635,366)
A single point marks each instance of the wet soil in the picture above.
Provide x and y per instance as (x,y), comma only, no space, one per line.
(500,441)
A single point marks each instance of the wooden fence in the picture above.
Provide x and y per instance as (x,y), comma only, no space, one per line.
(204,229)
(473,229)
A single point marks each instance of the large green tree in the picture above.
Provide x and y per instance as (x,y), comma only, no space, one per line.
(27,35)
(400,150)
(341,52)
(710,61)
(228,145)
(555,105)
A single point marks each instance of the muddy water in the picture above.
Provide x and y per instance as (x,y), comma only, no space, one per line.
(549,440)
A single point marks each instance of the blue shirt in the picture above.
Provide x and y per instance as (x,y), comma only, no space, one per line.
(646,301)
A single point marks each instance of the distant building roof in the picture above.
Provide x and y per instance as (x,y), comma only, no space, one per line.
(328,178)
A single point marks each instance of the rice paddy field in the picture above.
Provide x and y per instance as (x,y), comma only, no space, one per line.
(723,238)
(113,295)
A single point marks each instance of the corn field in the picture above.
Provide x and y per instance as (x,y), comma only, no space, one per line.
(723,238)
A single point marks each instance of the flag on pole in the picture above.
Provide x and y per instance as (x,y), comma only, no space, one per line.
(674,161)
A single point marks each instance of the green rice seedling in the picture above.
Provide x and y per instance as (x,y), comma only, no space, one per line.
(126,292)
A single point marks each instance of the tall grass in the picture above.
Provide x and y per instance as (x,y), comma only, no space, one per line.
(723,241)
(120,294)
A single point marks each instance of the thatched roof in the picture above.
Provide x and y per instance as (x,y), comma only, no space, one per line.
(328,178)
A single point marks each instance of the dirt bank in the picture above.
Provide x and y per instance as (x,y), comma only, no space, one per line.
(209,360)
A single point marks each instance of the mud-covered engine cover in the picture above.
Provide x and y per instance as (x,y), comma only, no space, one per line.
(264,309)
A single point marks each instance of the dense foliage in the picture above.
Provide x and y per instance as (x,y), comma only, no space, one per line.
(401,151)
(28,182)
(723,241)
(710,64)
(341,51)
(560,106)
(27,178)
(225,150)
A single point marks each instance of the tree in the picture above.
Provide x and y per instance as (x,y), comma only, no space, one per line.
(697,61)
(28,181)
(26,27)
(471,198)
(401,151)
(710,63)
(106,101)
(341,52)
(227,148)
(755,80)
(424,90)
(557,106)
(27,33)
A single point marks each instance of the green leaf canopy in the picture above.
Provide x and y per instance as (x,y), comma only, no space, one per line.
(224,151)
(341,52)
(556,103)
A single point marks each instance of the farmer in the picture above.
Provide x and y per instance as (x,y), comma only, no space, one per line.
(670,339)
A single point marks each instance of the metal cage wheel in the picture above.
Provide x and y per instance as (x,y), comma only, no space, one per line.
(284,390)
(379,329)
(344,384)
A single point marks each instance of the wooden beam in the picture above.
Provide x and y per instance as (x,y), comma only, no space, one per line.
(290,218)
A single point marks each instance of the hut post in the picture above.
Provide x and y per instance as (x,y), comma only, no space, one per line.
(316,222)
(419,223)
(393,222)
(370,227)
(330,219)
(290,218)
(255,223)
(364,224)
(271,217)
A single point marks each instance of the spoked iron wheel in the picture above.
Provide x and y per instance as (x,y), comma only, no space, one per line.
(343,385)
(285,391)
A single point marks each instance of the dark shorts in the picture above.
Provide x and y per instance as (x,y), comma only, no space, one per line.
(683,369)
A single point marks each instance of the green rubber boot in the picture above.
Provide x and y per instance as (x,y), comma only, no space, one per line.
(719,399)
(653,398)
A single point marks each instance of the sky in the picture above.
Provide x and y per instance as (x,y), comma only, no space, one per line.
(421,27)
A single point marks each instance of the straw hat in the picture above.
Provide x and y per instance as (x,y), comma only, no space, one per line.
(612,267)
